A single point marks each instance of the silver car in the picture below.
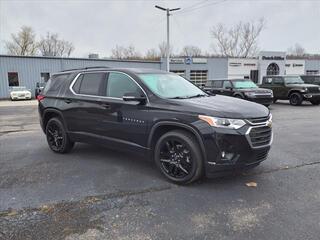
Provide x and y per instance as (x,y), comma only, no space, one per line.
(18,93)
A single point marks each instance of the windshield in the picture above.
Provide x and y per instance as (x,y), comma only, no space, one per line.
(168,85)
(294,79)
(244,84)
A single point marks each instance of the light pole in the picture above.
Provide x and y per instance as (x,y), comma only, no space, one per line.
(168,10)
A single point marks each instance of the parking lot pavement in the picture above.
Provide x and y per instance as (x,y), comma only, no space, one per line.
(96,193)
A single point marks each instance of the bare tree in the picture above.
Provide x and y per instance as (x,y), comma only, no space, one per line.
(163,49)
(240,40)
(152,54)
(23,43)
(51,45)
(297,50)
(120,52)
(191,51)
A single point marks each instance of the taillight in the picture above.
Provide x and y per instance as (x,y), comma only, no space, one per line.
(40,97)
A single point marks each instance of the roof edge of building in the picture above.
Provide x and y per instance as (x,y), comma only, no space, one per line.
(74,58)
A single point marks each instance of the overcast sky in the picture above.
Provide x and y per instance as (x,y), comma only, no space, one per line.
(98,26)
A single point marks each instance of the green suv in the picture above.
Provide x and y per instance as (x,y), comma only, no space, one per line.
(292,88)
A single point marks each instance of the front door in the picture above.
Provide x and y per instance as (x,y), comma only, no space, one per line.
(124,122)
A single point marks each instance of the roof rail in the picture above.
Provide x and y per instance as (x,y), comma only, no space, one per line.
(85,68)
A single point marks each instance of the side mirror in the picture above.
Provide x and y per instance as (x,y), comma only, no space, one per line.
(129,97)
(229,88)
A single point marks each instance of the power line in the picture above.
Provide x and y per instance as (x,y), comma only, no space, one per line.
(199,7)
(193,5)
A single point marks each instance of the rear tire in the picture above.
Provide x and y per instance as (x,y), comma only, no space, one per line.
(57,137)
(178,156)
(295,99)
(315,102)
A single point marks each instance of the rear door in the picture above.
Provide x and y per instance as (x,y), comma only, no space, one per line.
(217,87)
(85,104)
(279,88)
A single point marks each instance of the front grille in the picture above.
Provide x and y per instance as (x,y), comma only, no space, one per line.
(260,136)
(313,90)
(261,120)
(262,155)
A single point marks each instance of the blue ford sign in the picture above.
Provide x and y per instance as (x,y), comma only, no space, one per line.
(188,60)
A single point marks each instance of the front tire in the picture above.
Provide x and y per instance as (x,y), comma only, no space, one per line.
(57,136)
(295,99)
(178,156)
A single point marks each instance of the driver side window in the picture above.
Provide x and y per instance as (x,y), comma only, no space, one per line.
(119,84)
(227,84)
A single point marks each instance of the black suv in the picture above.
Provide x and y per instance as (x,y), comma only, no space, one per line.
(187,132)
(240,88)
(292,88)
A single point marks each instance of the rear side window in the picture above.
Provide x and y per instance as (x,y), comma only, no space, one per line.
(90,84)
(217,84)
(267,80)
(77,84)
(120,84)
(55,82)
(278,80)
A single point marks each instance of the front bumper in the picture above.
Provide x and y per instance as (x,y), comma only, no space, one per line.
(27,97)
(264,100)
(311,96)
(233,150)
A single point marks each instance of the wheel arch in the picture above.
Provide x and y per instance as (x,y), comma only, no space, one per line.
(50,113)
(294,91)
(161,128)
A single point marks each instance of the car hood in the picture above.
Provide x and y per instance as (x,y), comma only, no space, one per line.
(303,85)
(255,90)
(222,106)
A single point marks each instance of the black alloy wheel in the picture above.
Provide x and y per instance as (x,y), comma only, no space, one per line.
(178,156)
(295,99)
(57,137)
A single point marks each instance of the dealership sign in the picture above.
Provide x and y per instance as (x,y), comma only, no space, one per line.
(177,60)
(272,58)
(199,60)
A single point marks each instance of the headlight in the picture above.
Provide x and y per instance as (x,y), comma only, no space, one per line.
(250,94)
(271,93)
(223,122)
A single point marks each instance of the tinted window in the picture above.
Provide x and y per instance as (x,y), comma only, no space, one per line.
(54,83)
(77,84)
(120,84)
(217,84)
(277,80)
(227,84)
(267,80)
(91,83)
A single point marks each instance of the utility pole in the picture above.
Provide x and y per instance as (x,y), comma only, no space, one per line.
(168,10)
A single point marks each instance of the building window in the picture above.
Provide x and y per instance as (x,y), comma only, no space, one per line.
(45,76)
(199,77)
(13,79)
(273,69)
(181,73)
(312,72)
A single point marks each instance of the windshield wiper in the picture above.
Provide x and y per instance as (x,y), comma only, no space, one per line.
(178,97)
(198,95)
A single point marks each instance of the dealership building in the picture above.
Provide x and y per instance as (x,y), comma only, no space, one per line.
(28,70)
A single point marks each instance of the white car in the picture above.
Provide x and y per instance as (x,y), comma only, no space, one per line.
(17,93)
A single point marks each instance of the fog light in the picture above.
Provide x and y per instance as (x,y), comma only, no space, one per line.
(226,156)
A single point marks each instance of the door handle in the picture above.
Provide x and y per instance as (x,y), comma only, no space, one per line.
(105,105)
(68,101)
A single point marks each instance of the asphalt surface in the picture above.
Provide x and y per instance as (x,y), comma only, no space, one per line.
(95,193)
